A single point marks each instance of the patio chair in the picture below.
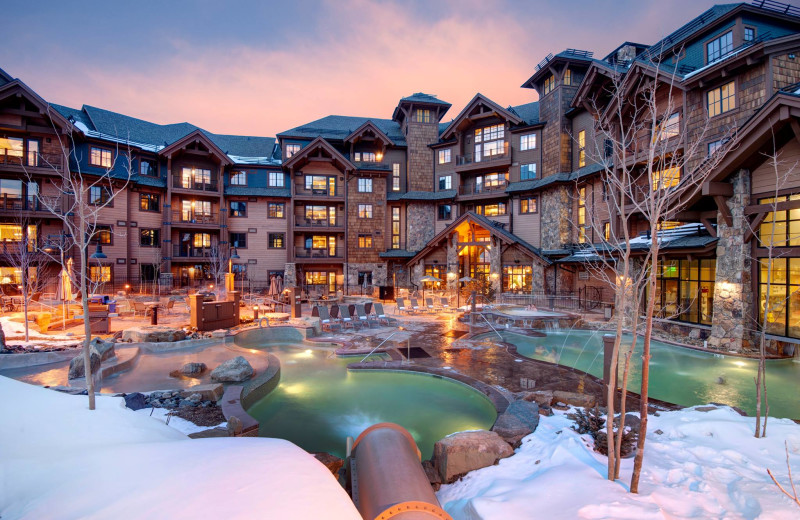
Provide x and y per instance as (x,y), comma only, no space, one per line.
(445,305)
(169,306)
(334,312)
(325,318)
(346,318)
(429,304)
(401,305)
(414,304)
(380,315)
(363,317)
(139,307)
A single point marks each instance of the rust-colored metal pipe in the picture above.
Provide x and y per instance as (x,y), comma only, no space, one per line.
(387,478)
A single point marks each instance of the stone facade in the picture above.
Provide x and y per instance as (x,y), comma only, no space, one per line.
(417,272)
(452,262)
(421,219)
(378,271)
(556,217)
(420,157)
(496,265)
(290,275)
(733,294)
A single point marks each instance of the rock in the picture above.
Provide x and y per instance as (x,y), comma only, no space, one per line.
(694,334)
(432,474)
(76,366)
(136,401)
(185,403)
(519,420)
(332,462)
(544,398)
(705,408)
(631,421)
(463,452)
(191,369)
(211,432)
(233,371)
(195,398)
(105,349)
(221,333)
(153,334)
(234,425)
(575,399)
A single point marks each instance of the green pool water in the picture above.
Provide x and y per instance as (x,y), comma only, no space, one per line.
(318,403)
(679,375)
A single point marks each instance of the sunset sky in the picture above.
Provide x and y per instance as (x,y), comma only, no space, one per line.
(258,68)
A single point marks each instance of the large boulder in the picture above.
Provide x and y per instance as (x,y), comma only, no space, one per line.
(463,452)
(105,349)
(136,401)
(233,371)
(153,334)
(519,420)
(574,399)
(210,392)
(77,367)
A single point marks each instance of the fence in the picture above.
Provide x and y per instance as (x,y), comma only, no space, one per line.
(586,299)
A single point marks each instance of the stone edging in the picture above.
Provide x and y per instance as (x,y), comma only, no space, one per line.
(238,398)
(30,359)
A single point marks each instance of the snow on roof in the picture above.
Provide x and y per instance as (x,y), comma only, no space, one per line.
(65,461)
(667,235)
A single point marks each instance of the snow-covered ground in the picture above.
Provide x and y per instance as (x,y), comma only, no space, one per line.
(60,460)
(15,333)
(700,465)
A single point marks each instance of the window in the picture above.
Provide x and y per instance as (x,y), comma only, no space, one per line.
(664,179)
(100,273)
(275,209)
(276,241)
(749,34)
(489,142)
(490,182)
(102,235)
(444,156)
(713,146)
(148,272)
(196,211)
(527,171)
(201,240)
(669,127)
(582,227)
(238,178)
(396,177)
(321,185)
(365,211)
(568,77)
(238,209)
(395,227)
(607,231)
(365,157)
(13,233)
(16,147)
(685,290)
(320,215)
(99,195)
(445,212)
(527,142)
(721,99)
(292,149)
(150,202)
(239,271)
(608,148)
(423,115)
(445,182)
(238,240)
(149,237)
(780,228)
(491,210)
(529,205)
(100,157)
(782,278)
(719,47)
(195,178)
(365,241)
(365,185)
(517,278)
(147,167)
(549,84)
(275,180)
(581,148)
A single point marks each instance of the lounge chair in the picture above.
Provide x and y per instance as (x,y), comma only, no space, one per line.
(325,318)
(345,317)
(414,304)
(401,305)
(334,312)
(363,317)
(444,304)
(429,304)
(380,315)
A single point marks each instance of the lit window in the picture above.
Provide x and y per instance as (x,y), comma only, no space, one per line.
(395,227)
(667,178)
(365,211)
(781,277)
(238,209)
(423,115)
(396,177)
(100,273)
(489,142)
(201,240)
(749,34)
(365,185)
(607,231)
(292,149)
(581,148)
(582,227)
(444,156)
(195,178)
(669,128)
(100,157)
(721,99)
(99,195)
(445,212)
(238,178)
(549,84)
(102,235)
(276,241)
(719,47)
(445,182)
(276,180)
(780,228)
(275,209)
(149,237)
(147,167)
(529,205)
(150,202)
(568,77)
(364,241)
(527,142)
(527,171)
(364,157)
(491,210)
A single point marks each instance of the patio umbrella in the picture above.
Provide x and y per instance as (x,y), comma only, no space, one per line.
(279,284)
(273,286)
(427,278)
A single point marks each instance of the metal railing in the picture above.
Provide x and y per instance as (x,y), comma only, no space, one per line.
(32,160)
(192,184)
(29,203)
(195,218)
(321,192)
(317,223)
(181,251)
(476,189)
(302,252)
(463,160)
(379,346)
(585,299)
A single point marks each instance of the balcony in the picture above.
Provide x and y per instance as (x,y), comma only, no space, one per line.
(470,162)
(34,162)
(191,184)
(497,189)
(10,203)
(302,222)
(320,254)
(301,191)
(191,253)
(205,219)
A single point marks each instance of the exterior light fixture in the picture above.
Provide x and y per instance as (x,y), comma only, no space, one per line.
(98,253)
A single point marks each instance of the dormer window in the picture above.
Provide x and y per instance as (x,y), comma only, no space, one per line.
(100,157)
(423,115)
(292,149)
(719,47)
(749,34)
(568,77)
(365,157)
(147,167)
(548,85)
(238,178)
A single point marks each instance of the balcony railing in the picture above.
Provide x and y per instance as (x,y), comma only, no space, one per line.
(478,189)
(317,223)
(184,251)
(302,252)
(54,162)
(471,159)
(321,192)
(195,218)
(192,184)
(30,203)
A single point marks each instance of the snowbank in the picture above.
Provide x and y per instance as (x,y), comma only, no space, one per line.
(14,329)
(60,460)
(701,465)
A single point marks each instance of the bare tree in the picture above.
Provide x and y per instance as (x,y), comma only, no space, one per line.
(81,199)
(219,266)
(793,495)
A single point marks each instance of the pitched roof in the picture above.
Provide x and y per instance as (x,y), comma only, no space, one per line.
(528,112)
(477,100)
(422,195)
(556,178)
(421,97)
(683,32)
(261,192)
(337,128)
(5,77)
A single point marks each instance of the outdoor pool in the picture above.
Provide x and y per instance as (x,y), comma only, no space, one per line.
(318,403)
(677,374)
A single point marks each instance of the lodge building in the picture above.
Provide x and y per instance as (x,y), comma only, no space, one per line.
(511,195)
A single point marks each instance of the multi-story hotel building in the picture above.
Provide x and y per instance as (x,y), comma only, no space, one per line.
(507,194)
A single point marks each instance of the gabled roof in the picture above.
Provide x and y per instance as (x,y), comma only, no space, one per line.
(369,126)
(568,55)
(684,32)
(5,77)
(337,128)
(529,112)
(17,87)
(421,98)
(477,100)
(319,145)
(556,178)
(198,136)
(422,195)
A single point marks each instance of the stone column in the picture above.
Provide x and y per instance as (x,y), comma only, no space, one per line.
(496,266)
(537,278)
(733,294)
(452,263)
(290,275)
(417,272)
